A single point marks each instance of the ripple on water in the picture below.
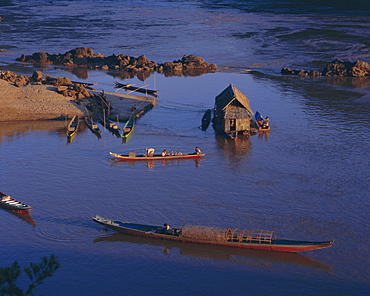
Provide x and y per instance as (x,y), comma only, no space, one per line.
(63,230)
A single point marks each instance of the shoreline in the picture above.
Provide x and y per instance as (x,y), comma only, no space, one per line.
(43,102)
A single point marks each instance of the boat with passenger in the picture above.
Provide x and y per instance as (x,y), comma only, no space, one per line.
(231,237)
(146,157)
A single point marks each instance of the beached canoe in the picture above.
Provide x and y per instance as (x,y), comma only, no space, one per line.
(239,238)
(111,126)
(91,124)
(135,157)
(72,127)
(128,127)
(10,203)
(137,89)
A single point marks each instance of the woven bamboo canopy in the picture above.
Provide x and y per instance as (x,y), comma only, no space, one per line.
(218,234)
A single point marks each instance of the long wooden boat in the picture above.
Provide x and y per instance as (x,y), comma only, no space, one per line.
(93,126)
(128,127)
(10,203)
(239,238)
(144,157)
(72,127)
(137,89)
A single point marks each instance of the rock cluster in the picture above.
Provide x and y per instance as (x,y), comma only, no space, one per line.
(86,57)
(64,85)
(335,68)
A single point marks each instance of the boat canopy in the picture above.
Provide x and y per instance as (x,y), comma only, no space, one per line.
(227,234)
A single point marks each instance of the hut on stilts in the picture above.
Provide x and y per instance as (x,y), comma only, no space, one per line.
(232,113)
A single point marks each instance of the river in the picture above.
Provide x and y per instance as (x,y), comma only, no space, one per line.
(307,179)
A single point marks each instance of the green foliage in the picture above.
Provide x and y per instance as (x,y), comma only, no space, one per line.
(35,272)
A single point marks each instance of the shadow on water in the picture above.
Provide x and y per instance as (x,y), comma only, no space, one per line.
(23,215)
(255,257)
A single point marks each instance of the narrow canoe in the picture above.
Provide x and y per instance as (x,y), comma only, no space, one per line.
(12,204)
(137,89)
(72,127)
(133,156)
(91,124)
(239,238)
(129,127)
(261,129)
(111,126)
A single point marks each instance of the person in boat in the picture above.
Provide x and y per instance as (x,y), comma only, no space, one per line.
(166,229)
(165,152)
(266,121)
(197,150)
(149,151)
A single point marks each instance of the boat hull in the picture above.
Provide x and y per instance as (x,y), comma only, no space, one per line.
(128,128)
(72,128)
(277,245)
(12,204)
(260,129)
(155,157)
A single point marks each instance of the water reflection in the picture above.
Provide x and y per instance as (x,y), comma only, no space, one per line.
(150,164)
(11,129)
(22,214)
(255,257)
(352,82)
(337,94)
(234,148)
(263,135)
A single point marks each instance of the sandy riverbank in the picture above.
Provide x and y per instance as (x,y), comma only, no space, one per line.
(34,102)
(42,102)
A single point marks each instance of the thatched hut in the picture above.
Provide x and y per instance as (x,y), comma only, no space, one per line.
(233,113)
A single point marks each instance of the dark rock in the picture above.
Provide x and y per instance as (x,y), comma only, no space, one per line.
(337,67)
(37,76)
(40,57)
(85,57)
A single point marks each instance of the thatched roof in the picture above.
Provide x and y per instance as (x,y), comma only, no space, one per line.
(229,95)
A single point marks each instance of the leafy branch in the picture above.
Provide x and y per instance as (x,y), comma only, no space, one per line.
(37,273)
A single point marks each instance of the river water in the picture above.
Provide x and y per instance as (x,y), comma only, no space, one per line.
(307,179)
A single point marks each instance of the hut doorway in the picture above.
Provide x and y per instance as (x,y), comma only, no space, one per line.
(232,125)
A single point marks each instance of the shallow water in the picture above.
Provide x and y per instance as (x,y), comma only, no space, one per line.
(306,179)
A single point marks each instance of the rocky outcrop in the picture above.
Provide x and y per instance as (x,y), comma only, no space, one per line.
(85,57)
(335,68)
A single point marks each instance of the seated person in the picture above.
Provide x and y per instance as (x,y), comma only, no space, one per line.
(166,229)
(149,151)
